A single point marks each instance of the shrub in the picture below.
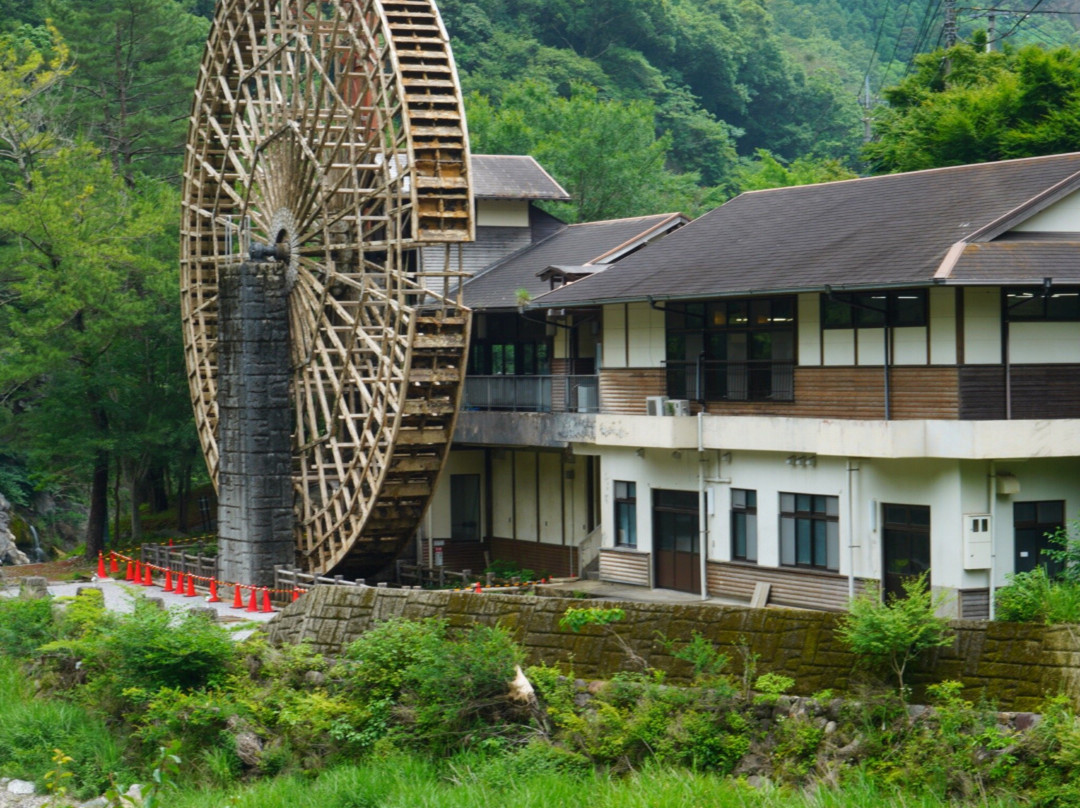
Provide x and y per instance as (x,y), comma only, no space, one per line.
(25,625)
(897,630)
(1025,599)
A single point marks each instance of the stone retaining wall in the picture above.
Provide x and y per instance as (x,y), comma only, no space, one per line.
(1015,665)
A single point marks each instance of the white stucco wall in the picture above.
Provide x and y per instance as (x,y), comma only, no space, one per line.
(646,336)
(502,213)
(1044,342)
(942,326)
(982,325)
(808,320)
(1061,217)
(614,336)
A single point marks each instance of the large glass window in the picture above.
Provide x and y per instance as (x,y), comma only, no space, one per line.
(735,350)
(510,346)
(625,514)
(1060,305)
(873,309)
(810,531)
(743,524)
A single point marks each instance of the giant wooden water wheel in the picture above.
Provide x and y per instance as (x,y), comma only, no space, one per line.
(331,136)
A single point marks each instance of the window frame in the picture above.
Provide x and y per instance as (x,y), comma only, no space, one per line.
(812,518)
(1012,314)
(627,504)
(863,318)
(748,511)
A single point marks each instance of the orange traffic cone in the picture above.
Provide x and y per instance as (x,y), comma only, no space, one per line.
(191,593)
(138,573)
(101,566)
(113,567)
(168,580)
(295,594)
(478,590)
(238,598)
(130,576)
(148,577)
(267,607)
(213,592)
(253,604)
(179,587)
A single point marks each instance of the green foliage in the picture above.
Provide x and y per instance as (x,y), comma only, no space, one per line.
(993,106)
(709,664)
(1066,553)
(25,625)
(1032,597)
(771,686)
(769,171)
(897,630)
(576,619)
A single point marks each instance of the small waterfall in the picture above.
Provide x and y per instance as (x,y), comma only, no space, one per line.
(39,554)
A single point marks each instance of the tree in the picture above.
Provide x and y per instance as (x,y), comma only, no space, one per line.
(895,631)
(88,284)
(768,171)
(990,106)
(136,63)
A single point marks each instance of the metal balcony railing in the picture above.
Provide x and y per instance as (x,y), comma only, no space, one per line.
(532,393)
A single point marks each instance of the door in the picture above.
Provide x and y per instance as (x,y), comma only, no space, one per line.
(1031,522)
(906,542)
(465,507)
(677,564)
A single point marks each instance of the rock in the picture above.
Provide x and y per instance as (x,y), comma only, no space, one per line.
(34,587)
(916,711)
(521,689)
(9,553)
(314,678)
(830,728)
(97,802)
(758,782)
(1025,721)
(134,792)
(752,765)
(248,748)
(22,787)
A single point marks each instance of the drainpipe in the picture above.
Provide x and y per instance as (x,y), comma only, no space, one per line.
(991,492)
(703,518)
(851,468)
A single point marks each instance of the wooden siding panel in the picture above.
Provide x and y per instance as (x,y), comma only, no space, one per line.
(559,560)
(982,392)
(804,589)
(457,555)
(858,393)
(1045,391)
(623,390)
(624,566)
(974,604)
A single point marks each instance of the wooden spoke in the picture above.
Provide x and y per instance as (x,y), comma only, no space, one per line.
(336,127)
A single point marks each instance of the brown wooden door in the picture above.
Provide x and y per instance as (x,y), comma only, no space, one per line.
(675,541)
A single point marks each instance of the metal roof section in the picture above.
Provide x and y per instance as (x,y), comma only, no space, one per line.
(888,231)
(512,176)
(589,245)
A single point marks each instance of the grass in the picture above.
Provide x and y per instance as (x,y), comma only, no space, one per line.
(409,782)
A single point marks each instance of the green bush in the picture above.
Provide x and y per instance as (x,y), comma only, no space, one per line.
(25,625)
(1033,597)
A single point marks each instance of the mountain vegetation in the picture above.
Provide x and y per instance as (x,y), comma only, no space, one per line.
(636,106)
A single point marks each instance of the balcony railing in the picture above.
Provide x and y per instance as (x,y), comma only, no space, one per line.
(711,380)
(532,393)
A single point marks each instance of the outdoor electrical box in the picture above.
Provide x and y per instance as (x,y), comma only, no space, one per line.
(978,541)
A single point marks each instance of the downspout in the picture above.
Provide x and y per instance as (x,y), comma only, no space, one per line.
(991,493)
(703,519)
(886,358)
(851,468)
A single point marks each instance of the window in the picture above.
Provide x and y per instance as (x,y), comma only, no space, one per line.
(900,309)
(625,514)
(1025,305)
(743,524)
(1032,521)
(810,531)
(510,346)
(733,350)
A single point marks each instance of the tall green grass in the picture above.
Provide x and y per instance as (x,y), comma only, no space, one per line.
(409,782)
(32,727)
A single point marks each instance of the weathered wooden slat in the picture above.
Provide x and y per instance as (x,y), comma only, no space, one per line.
(624,566)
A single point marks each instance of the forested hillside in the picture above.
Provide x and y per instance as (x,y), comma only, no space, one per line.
(636,106)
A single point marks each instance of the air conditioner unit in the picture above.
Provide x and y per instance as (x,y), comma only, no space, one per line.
(655,405)
(677,406)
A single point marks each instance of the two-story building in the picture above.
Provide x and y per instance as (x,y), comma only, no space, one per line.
(812,388)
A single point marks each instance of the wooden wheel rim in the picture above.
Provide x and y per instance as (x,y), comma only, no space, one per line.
(309,129)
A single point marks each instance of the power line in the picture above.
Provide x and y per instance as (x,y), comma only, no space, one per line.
(1016,25)
(896,47)
(877,41)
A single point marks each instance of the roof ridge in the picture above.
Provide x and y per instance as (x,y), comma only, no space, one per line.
(911,173)
(627,219)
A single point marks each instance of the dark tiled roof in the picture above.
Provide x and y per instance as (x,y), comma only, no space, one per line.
(894,229)
(574,245)
(508,176)
(1018,261)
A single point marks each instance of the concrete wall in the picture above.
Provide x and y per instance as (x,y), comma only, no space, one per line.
(1015,665)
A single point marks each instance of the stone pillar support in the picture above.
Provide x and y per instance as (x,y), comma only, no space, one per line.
(255,514)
